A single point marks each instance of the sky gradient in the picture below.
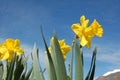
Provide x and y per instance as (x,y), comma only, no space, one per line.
(21,19)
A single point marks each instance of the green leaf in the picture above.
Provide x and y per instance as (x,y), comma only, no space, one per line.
(37,71)
(4,72)
(91,72)
(71,62)
(10,69)
(24,62)
(57,58)
(1,70)
(24,75)
(19,69)
(50,69)
(49,63)
(78,62)
(28,74)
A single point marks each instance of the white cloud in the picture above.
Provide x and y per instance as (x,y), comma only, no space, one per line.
(107,54)
(110,55)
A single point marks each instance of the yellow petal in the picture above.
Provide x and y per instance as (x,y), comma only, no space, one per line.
(1,45)
(82,19)
(10,56)
(19,51)
(97,28)
(89,32)
(88,45)
(5,56)
(84,23)
(3,53)
(49,49)
(64,57)
(63,46)
(9,43)
(65,49)
(16,43)
(83,41)
(77,29)
(61,42)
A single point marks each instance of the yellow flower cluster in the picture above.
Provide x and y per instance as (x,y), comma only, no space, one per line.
(63,46)
(85,32)
(8,48)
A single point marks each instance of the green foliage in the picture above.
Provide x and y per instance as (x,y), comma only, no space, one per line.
(91,72)
(1,70)
(78,62)
(37,71)
(55,66)
(17,68)
(58,60)
(49,63)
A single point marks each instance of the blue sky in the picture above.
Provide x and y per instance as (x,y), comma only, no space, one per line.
(21,19)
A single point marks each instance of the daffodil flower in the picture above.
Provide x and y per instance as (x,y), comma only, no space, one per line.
(63,46)
(8,48)
(85,32)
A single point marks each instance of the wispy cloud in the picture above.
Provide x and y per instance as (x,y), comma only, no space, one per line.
(107,54)
(113,58)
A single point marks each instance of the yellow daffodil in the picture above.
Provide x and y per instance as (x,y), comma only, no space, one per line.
(63,46)
(8,48)
(85,32)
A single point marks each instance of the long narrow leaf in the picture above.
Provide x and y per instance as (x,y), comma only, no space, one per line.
(94,65)
(50,69)
(24,64)
(78,62)
(19,69)
(71,62)
(28,74)
(11,68)
(58,59)
(91,72)
(38,75)
(1,70)
(49,63)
